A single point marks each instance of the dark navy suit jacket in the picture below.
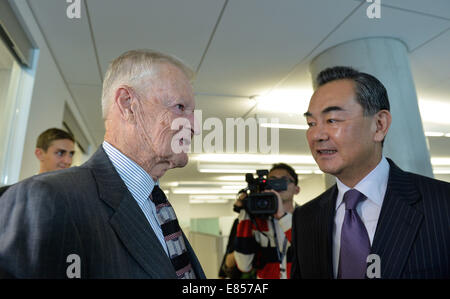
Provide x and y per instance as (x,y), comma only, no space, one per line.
(87,211)
(412,237)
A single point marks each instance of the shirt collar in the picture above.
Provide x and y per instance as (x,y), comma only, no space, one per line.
(138,181)
(373,185)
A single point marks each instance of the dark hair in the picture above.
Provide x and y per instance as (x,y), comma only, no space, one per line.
(370,92)
(288,168)
(48,136)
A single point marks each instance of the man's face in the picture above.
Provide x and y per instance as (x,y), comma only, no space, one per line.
(340,137)
(58,155)
(165,122)
(292,188)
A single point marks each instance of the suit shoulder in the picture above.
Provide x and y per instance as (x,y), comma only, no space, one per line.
(427,182)
(51,184)
(66,179)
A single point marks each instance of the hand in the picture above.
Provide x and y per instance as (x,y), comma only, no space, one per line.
(230,262)
(281,212)
(240,198)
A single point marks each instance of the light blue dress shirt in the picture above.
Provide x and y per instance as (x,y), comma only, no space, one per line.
(373,186)
(139,183)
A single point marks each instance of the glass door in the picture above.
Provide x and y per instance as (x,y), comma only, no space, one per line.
(16,83)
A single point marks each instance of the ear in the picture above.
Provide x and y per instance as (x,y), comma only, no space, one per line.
(38,152)
(297,190)
(123,99)
(383,121)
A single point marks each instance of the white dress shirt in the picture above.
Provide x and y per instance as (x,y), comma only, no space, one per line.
(140,184)
(373,186)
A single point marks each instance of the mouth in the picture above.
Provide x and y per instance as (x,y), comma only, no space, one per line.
(326,152)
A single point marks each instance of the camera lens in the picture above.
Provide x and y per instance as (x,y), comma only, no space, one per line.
(262,203)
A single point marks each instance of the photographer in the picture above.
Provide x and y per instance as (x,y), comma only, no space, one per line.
(228,267)
(265,242)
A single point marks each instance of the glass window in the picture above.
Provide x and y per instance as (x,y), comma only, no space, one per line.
(9,82)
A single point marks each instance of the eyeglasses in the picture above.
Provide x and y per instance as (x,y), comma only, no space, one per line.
(287,179)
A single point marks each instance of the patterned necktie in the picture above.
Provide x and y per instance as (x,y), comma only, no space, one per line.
(172,235)
(355,243)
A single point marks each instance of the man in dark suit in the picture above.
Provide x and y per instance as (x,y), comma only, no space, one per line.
(109,218)
(377,220)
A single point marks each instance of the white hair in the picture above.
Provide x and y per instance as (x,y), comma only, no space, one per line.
(132,66)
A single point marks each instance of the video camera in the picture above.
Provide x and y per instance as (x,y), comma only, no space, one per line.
(258,203)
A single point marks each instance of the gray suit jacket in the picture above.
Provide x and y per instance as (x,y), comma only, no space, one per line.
(87,211)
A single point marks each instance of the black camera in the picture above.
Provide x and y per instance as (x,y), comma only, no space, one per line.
(258,203)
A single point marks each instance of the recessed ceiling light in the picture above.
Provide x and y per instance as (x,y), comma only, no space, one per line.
(434,134)
(255,158)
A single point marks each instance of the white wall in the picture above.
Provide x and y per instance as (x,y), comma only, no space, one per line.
(46,111)
(186,211)
(49,96)
(443,177)
(310,188)
(212,210)
(4,83)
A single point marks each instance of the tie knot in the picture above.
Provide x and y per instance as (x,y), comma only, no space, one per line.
(158,196)
(352,197)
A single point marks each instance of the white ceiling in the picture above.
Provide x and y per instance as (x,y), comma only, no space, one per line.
(241,48)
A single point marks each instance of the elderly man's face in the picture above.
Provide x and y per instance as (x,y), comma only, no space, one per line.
(340,137)
(165,121)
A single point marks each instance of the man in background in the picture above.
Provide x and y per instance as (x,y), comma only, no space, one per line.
(264,245)
(54,150)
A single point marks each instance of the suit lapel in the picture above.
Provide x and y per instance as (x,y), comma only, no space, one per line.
(134,230)
(128,220)
(398,223)
(327,211)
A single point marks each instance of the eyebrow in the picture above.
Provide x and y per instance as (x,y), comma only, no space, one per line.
(324,111)
(64,151)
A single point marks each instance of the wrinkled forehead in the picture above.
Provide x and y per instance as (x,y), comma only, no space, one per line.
(168,83)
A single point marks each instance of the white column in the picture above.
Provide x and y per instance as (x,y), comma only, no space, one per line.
(387,60)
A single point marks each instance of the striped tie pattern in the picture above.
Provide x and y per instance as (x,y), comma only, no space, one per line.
(172,235)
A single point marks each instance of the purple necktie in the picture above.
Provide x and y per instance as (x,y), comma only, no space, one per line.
(355,244)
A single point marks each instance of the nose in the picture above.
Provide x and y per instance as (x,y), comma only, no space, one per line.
(68,160)
(317,133)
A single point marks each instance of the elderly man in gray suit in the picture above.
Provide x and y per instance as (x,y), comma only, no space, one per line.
(108,218)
